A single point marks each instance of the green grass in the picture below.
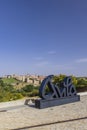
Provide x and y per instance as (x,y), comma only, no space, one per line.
(9,80)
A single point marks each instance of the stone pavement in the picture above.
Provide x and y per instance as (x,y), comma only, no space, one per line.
(71,116)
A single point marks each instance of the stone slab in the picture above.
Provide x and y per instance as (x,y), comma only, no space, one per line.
(28,116)
(41,103)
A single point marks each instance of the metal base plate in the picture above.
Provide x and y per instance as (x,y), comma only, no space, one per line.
(41,103)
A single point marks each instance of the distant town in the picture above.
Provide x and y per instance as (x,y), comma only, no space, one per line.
(29,79)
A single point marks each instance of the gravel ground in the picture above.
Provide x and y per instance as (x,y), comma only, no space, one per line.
(71,116)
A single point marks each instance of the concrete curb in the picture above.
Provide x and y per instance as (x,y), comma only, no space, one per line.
(82,93)
(12,103)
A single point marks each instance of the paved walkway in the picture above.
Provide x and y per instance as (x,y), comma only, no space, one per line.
(66,117)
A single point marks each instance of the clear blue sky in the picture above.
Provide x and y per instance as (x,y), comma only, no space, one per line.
(43,37)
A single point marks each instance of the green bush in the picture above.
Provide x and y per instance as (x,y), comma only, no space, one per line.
(16,96)
(28,88)
(8,93)
(33,93)
(82,82)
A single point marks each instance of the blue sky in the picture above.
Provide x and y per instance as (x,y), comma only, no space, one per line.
(43,37)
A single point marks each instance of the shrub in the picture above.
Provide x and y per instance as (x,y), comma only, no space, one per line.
(28,88)
(33,93)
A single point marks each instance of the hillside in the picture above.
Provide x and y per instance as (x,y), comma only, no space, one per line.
(13,89)
(10,80)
